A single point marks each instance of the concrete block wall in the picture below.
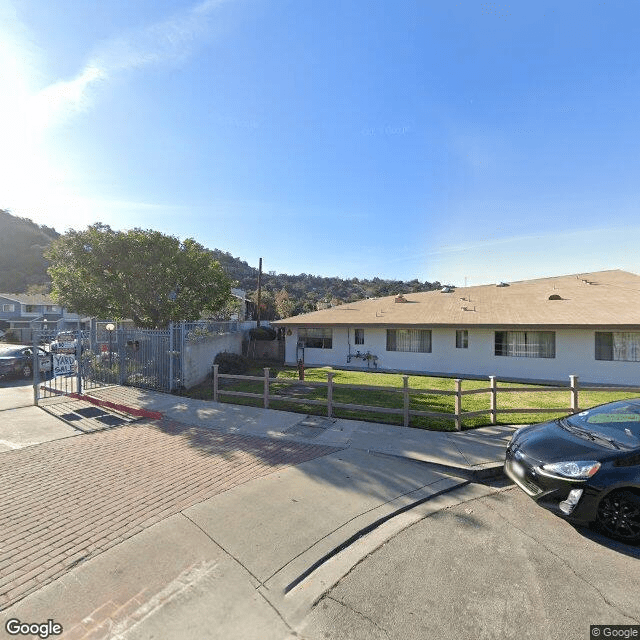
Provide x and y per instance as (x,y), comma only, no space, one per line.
(198,356)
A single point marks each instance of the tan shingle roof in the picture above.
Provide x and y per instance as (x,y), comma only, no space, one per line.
(602,299)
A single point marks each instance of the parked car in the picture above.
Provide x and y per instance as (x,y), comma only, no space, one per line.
(584,467)
(17,360)
(65,342)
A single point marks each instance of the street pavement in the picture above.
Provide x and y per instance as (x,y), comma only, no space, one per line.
(212,520)
(497,567)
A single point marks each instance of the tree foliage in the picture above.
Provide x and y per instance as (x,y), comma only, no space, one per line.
(22,264)
(284,304)
(307,292)
(140,274)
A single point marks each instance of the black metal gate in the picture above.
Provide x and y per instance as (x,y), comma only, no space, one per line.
(81,361)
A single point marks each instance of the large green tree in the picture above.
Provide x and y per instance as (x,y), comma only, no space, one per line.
(140,274)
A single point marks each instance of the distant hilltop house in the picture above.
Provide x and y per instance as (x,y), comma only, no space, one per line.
(543,329)
(246,305)
(25,313)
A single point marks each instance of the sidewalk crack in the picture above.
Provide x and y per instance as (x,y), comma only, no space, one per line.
(359,613)
(455,444)
(195,524)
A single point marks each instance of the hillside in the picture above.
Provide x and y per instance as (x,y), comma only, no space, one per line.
(22,265)
(307,291)
(22,242)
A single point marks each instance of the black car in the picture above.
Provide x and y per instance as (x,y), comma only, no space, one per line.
(17,360)
(585,467)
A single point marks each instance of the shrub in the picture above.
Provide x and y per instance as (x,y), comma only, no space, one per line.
(11,336)
(262,333)
(231,363)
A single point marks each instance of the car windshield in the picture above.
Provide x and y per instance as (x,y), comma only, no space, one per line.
(617,421)
(66,336)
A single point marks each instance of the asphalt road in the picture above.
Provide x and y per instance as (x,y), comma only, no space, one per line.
(496,567)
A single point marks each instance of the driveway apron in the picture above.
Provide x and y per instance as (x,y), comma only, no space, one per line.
(65,501)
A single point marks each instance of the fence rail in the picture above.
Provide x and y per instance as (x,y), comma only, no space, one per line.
(573,389)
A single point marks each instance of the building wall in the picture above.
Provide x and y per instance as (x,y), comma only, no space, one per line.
(575,354)
(198,356)
(10,315)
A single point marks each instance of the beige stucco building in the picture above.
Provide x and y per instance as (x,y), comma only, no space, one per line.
(545,329)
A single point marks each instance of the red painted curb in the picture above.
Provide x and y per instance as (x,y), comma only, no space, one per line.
(141,413)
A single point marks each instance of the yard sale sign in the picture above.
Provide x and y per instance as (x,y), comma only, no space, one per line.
(63,364)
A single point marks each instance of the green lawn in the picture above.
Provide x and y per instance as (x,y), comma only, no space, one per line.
(556,397)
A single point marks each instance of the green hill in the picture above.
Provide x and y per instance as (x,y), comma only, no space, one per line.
(22,264)
(23,267)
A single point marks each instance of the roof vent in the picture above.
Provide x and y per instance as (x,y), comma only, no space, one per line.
(446,290)
(502,284)
(400,298)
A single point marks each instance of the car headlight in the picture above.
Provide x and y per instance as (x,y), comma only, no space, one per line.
(575,470)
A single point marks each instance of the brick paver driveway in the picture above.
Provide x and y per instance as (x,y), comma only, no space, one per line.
(66,501)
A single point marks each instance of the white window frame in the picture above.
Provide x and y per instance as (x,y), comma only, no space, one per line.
(525,344)
(462,338)
(409,340)
(318,337)
(617,346)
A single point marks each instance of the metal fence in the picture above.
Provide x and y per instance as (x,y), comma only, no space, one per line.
(147,358)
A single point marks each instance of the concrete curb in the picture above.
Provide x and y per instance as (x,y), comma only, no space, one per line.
(476,473)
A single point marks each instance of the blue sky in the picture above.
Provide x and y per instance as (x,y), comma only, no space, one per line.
(430,140)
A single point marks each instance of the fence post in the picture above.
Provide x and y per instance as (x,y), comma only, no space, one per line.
(573,382)
(182,353)
(215,382)
(122,361)
(330,394)
(493,399)
(170,357)
(36,369)
(458,410)
(79,362)
(266,387)
(405,400)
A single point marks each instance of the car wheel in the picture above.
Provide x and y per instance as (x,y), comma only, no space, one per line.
(26,371)
(619,516)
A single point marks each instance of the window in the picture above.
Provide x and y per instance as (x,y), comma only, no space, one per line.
(618,345)
(8,307)
(526,344)
(414,340)
(359,336)
(462,339)
(316,338)
(30,308)
(51,308)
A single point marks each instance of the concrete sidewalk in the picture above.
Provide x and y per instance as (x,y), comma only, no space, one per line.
(299,502)
(474,450)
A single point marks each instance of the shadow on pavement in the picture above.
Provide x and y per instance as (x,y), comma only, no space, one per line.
(620,547)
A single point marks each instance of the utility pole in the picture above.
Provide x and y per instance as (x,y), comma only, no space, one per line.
(259,290)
